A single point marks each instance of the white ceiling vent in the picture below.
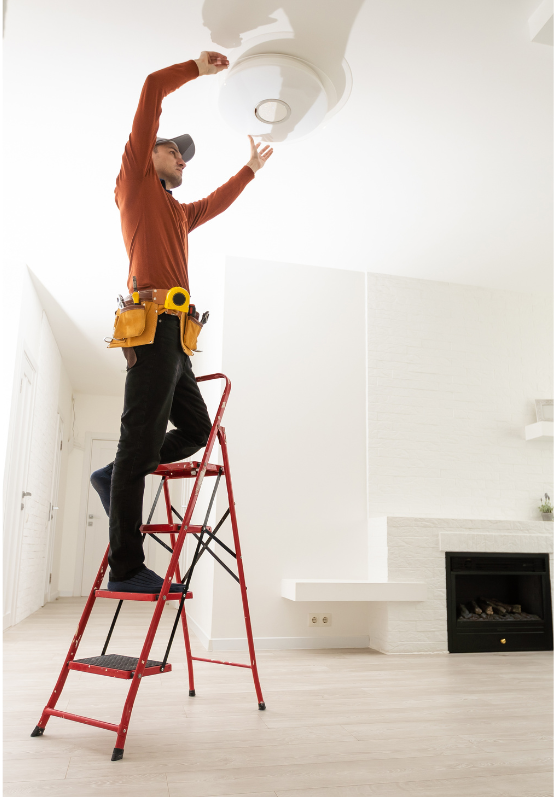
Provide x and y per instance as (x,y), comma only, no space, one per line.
(275,97)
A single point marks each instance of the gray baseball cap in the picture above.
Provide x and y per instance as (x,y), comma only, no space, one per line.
(184,144)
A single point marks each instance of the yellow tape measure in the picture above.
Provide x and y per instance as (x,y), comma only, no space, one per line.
(177,299)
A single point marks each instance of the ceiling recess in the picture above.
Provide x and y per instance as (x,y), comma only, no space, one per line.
(275,97)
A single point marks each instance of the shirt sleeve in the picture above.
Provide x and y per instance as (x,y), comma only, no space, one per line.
(203,210)
(137,155)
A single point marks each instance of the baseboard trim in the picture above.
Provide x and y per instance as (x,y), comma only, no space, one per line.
(292,643)
(211,644)
(65,593)
(197,630)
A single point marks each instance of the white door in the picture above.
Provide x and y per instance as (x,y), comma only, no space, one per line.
(17,493)
(53,510)
(96,534)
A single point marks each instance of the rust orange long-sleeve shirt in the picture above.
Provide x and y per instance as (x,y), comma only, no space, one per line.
(154,224)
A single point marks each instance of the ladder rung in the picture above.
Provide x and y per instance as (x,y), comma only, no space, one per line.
(115,666)
(170,528)
(65,715)
(186,470)
(228,663)
(139,596)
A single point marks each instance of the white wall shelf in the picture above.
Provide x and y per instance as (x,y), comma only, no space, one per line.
(541,429)
(336,590)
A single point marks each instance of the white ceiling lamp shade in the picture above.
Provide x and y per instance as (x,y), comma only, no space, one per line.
(274,97)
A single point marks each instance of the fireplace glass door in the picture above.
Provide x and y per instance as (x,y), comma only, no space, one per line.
(498,602)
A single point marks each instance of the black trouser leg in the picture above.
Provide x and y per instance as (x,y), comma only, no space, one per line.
(160,386)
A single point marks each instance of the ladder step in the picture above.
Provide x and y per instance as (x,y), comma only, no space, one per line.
(115,666)
(186,470)
(139,596)
(170,528)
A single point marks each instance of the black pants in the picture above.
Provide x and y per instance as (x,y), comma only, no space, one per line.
(160,386)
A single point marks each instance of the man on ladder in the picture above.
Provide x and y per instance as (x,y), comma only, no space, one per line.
(157,336)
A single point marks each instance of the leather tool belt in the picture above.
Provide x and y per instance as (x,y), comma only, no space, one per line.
(135,324)
(156,295)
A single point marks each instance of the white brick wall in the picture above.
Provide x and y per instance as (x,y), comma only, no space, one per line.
(30,590)
(453,374)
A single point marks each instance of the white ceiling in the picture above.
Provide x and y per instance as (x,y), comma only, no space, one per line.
(438,167)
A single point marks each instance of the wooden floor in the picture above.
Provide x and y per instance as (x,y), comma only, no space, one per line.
(339,723)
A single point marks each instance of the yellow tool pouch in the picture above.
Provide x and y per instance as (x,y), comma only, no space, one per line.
(135,325)
(130,322)
(190,329)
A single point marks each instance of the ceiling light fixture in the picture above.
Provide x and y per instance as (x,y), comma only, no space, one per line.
(275,97)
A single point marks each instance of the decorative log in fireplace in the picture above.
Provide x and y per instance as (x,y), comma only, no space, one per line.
(498,602)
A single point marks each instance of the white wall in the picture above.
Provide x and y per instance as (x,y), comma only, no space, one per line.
(30,334)
(294,348)
(453,373)
(41,467)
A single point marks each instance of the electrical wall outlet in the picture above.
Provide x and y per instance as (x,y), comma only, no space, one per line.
(319,619)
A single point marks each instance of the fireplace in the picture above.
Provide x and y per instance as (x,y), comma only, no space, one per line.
(498,602)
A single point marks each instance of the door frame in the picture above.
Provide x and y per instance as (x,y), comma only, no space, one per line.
(12,517)
(53,510)
(83,502)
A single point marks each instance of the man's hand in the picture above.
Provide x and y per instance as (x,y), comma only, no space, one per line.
(211,63)
(258,159)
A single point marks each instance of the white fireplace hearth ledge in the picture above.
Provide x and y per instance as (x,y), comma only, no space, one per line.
(316,589)
(410,550)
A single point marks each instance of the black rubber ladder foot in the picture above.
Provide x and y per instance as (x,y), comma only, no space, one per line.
(191,693)
(38,731)
(262,707)
(117,754)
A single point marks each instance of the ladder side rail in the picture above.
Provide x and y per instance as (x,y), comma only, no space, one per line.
(167,502)
(153,626)
(237,546)
(208,450)
(73,648)
(185,632)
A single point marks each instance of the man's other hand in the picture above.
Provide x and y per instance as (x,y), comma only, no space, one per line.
(258,157)
(211,63)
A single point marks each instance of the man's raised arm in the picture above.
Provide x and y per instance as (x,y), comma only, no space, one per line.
(205,209)
(138,150)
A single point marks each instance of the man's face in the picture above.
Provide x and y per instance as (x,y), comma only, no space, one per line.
(169,164)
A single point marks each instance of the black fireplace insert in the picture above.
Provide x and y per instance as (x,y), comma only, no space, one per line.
(498,601)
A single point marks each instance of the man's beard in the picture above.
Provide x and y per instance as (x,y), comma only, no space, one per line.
(174,180)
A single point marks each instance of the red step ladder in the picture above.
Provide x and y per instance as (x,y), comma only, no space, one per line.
(134,669)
